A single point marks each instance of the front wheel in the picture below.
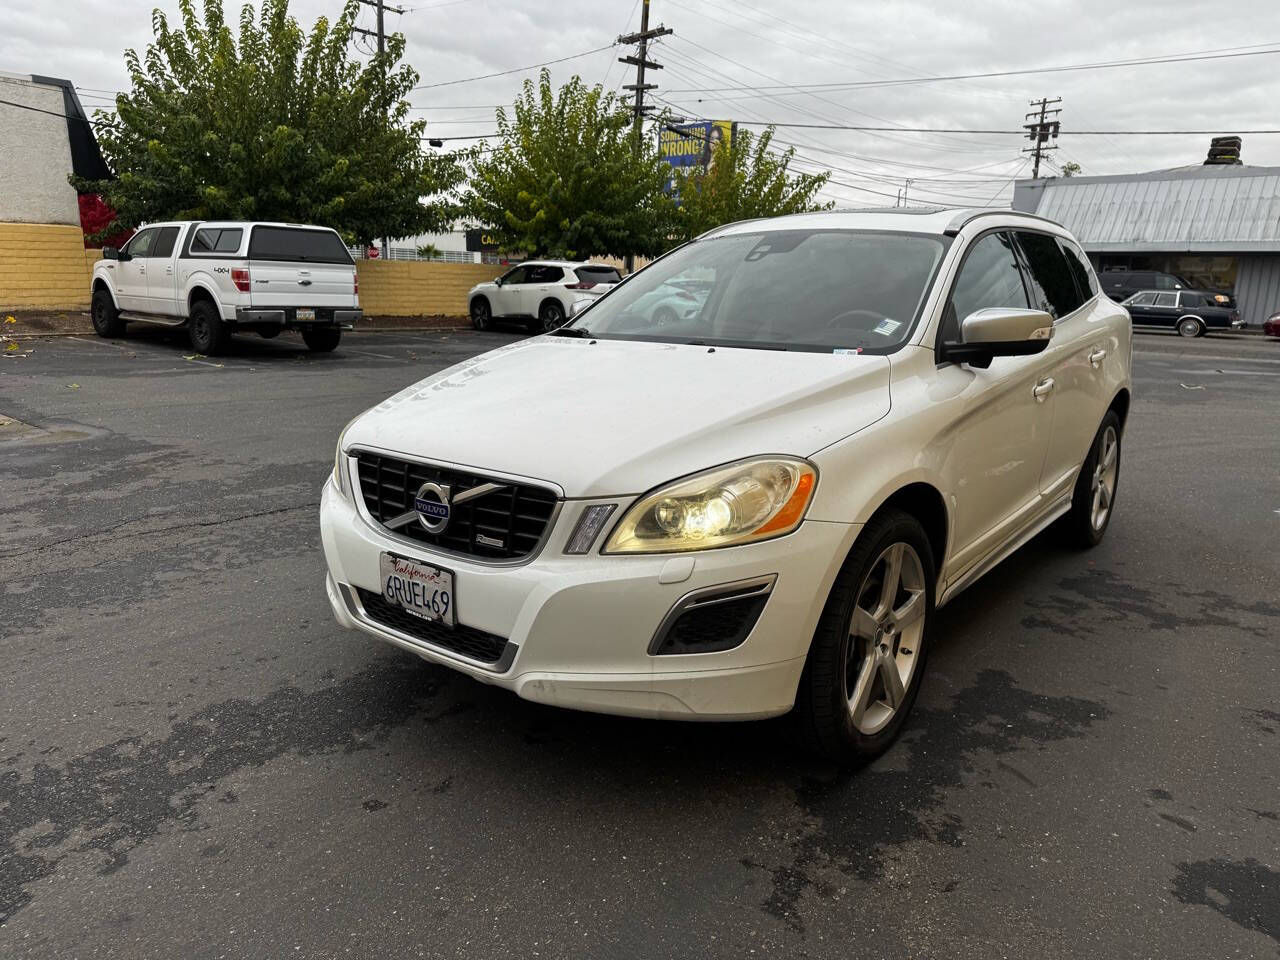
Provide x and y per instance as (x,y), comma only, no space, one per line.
(1190,327)
(868,654)
(1094,497)
(321,339)
(106,318)
(481,315)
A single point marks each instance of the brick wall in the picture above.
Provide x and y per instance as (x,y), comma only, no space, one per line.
(44,266)
(409,288)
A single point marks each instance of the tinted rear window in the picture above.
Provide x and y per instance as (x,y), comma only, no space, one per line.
(598,274)
(293,244)
(217,240)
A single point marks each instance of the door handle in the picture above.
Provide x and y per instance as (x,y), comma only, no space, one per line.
(1043,388)
(1097,357)
(142,268)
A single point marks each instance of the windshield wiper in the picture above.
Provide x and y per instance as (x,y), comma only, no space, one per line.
(571,332)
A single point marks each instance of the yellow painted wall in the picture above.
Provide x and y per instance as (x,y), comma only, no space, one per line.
(411,288)
(44,266)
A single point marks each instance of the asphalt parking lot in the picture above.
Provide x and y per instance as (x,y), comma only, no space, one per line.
(196,762)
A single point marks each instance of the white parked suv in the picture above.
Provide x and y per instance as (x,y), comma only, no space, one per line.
(541,294)
(756,508)
(219,277)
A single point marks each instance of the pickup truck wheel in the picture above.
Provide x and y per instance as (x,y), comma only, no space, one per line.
(106,318)
(868,653)
(209,335)
(321,339)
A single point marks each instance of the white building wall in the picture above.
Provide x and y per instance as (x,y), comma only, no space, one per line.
(35,157)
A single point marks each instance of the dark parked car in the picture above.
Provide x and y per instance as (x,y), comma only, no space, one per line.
(1190,312)
(1271,325)
(1120,285)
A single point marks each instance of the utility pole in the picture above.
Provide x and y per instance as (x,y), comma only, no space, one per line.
(641,62)
(381,36)
(1044,127)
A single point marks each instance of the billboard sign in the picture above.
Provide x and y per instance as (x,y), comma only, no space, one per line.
(689,145)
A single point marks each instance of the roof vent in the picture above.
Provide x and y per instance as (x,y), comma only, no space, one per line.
(1224,151)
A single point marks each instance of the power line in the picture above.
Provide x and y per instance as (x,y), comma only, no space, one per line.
(1008,133)
(1101,65)
(504,73)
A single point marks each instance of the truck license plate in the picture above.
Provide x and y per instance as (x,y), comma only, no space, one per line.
(418,588)
(306,313)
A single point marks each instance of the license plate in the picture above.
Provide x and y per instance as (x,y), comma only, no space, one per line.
(418,588)
(306,313)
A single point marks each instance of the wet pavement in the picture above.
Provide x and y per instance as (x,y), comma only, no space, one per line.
(195,761)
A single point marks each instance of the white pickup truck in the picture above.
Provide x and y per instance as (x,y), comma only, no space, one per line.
(216,278)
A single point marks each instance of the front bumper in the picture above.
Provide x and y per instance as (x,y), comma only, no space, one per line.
(581,626)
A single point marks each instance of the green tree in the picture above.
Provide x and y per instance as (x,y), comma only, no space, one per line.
(566,178)
(744,180)
(272,124)
(1071,169)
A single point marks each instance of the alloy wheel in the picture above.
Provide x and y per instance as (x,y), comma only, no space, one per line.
(1105,473)
(883,646)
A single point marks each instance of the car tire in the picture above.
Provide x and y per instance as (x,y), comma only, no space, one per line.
(551,315)
(270,333)
(1094,497)
(664,316)
(209,335)
(481,313)
(106,318)
(321,339)
(1190,327)
(848,707)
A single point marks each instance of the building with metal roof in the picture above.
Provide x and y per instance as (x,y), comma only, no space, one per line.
(1217,225)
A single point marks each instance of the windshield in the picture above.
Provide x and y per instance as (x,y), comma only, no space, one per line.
(817,290)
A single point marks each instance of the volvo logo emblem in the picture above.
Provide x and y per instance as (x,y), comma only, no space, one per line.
(432,506)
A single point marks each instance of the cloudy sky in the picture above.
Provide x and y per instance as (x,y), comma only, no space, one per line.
(743,59)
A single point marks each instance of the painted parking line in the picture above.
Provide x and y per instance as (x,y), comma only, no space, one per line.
(150,353)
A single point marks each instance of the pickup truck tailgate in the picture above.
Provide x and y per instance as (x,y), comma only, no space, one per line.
(274,284)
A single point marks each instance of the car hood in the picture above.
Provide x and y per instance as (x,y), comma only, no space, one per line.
(610,417)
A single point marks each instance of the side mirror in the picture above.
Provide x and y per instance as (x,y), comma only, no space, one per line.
(578,306)
(497,281)
(999,332)
(110,253)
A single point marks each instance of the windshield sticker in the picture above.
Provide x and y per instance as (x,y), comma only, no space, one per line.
(886,326)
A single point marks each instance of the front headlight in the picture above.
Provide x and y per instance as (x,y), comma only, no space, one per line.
(737,503)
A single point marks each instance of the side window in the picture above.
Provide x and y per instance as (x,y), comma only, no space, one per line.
(516,276)
(1079,265)
(163,247)
(216,240)
(544,274)
(140,245)
(1166,299)
(1165,282)
(1144,299)
(1052,287)
(989,277)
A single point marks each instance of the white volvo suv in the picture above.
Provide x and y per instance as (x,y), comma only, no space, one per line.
(755,508)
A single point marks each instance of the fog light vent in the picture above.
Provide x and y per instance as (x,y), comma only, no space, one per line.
(713,619)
